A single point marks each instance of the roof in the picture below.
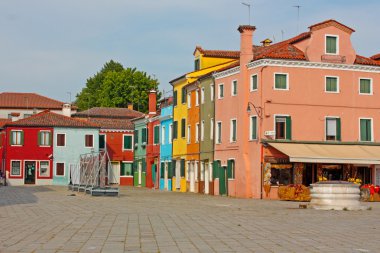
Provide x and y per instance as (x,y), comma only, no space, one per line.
(376,57)
(330,153)
(28,101)
(108,112)
(218,53)
(361,60)
(331,22)
(4,121)
(51,119)
(107,123)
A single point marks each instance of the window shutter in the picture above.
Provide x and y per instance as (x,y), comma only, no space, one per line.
(143,165)
(363,130)
(229,169)
(143,135)
(162,170)
(156,134)
(183,95)
(182,167)
(254,128)
(338,129)
(331,45)
(288,128)
(22,138)
(136,136)
(174,165)
(215,167)
(369,132)
(254,82)
(170,170)
(175,98)
(127,142)
(39,138)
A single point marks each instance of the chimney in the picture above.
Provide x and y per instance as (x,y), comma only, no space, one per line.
(66,110)
(246,43)
(130,106)
(152,102)
(14,116)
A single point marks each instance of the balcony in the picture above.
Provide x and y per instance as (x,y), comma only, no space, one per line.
(330,58)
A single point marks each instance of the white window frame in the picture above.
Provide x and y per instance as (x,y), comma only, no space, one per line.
(250,127)
(202,95)
(132,144)
(170,133)
(163,130)
(231,130)
(188,134)
(274,124)
(337,44)
(196,132)
(93,141)
(337,84)
(220,85)
(158,143)
(371,86)
(15,175)
(331,117)
(274,80)
(372,130)
(212,92)
(39,168)
(56,139)
(232,87)
(188,100)
(42,132)
(202,130)
(218,132)
(212,129)
(197,97)
(251,83)
(17,131)
(64,170)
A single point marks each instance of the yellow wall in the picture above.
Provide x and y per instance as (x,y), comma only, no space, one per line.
(206,62)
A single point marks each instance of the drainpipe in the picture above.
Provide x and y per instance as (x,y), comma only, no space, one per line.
(261,126)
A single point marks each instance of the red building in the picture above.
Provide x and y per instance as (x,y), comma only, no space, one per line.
(153,145)
(28,156)
(116,136)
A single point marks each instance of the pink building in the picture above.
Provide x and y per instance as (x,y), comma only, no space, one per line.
(296,112)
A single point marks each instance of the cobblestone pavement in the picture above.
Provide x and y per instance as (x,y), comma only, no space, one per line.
(48,219)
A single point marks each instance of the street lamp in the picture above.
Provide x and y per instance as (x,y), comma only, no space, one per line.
(258,109)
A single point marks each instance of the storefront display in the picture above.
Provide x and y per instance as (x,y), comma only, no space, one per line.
(370,192)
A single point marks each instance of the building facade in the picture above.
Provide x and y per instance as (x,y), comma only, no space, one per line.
(166,130)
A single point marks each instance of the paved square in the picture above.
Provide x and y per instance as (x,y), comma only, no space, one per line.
(48,219)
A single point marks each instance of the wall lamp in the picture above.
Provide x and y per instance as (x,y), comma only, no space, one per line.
(258,109)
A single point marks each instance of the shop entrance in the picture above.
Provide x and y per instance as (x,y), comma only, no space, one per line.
(332,172)
(30,172)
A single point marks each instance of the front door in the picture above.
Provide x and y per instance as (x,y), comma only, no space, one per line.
(222,180)
(206,178)
(30,172)
(114,173)
(154,172)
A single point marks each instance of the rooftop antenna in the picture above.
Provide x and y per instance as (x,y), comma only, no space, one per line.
(282,35)
(274,39)
(298,16)
(69,93)
(249,12)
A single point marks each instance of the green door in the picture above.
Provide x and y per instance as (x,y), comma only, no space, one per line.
(154,166)
(223,180)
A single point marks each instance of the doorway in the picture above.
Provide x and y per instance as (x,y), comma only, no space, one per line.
(30,172)
(114,173)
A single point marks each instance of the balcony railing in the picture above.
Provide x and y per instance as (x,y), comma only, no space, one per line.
(333,58)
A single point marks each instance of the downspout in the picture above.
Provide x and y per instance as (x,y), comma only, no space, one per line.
(261,125)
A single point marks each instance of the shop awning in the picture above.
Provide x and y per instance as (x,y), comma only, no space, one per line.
(330,153)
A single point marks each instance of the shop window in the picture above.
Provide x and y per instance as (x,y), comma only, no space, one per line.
(364,173)
(89,141)
(44,169)
(44,138)
(60,169)
(61,140)
(126,169)
(283,128)
(280,176)
(333,129)
(17,138)
(15,168)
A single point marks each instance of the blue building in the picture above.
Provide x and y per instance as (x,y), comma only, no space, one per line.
(166,131)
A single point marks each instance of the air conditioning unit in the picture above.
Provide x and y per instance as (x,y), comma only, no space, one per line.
(269,133)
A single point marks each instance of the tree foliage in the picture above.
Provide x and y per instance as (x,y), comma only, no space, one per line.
(116,86)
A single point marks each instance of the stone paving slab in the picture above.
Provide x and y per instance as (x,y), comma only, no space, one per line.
(47,219)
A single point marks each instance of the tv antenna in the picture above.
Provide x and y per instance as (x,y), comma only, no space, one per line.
(298,16)
(249,12)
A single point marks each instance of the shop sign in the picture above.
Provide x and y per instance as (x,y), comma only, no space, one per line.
(271,159)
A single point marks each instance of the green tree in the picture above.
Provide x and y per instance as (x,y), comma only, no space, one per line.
(115,86)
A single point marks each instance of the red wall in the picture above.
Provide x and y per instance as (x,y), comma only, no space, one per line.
(114,143)
(152,152)
(30,151)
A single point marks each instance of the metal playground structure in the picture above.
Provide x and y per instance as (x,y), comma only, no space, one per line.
(91,175)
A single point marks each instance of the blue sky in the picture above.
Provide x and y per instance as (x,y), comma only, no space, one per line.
(52,46)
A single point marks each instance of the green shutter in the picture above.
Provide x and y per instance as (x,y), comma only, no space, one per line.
(50,138)
(280,81)
(369,132)
(338,129)
(175,98)
(143,165)
(39,138)
(22,138)
(254,128)
(175,130)
(331,47)
(143,135)
(170,170)
(183,128)
(182,167)
(229,169)
(331,84)
(174,166)
(162,170)
(254,82)
(215,167)
(183,95)
(127,142)
(156,134)
(288,128)
(136,136)
(365,86)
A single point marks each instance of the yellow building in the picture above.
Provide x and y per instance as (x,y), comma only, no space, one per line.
(205,61)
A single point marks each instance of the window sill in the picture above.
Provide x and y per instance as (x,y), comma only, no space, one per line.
(366,94)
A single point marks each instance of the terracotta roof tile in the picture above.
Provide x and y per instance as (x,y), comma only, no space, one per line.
(28,100)
(50,119)
(108,112)
(218,53)
(107,123)
(376,57)
(4,121)
(331,22)
(361,60)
